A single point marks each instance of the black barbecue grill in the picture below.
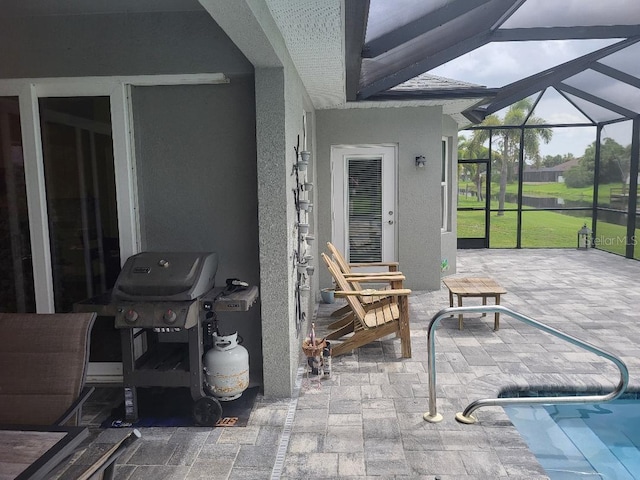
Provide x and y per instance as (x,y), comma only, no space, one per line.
(162,302)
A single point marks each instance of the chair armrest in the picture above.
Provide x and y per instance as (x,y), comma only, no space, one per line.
(75,406)
(371,292)
(365,274)
(376,278)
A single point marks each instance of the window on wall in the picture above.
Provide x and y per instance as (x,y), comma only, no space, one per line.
(444,186)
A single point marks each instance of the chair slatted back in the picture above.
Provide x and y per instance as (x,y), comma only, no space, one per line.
(338,258)
(353,300)
(43,365)
(342,264)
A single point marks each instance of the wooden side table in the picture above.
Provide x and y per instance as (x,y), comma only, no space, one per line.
(474,287)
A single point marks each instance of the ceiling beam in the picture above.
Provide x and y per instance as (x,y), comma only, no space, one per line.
(515,91)
(356,17)
(507,15)
(419,26)
(575,105)
(617,74)
(597,100)
(565,33)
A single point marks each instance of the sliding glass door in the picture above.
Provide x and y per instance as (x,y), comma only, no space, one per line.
(16,270)
(81,198)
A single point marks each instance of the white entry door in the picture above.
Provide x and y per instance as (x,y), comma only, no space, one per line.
(364,202)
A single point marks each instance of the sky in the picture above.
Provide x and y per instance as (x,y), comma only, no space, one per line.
(498,64)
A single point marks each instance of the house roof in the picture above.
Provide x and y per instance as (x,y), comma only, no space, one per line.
(562,167)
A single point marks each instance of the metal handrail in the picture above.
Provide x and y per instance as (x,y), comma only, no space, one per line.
(465,417)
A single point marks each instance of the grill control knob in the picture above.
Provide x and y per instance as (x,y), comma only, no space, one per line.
(131,316)
(169,316)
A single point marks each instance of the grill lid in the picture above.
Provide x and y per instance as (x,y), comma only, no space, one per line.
(164,276)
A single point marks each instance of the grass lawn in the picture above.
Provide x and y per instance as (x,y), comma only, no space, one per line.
(540,229)
(557,190)
(543,229)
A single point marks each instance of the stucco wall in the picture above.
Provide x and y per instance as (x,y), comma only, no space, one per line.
(280,95)
(197,183)
(281,99)
(416,131)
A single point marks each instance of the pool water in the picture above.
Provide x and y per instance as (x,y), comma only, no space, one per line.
(583,441)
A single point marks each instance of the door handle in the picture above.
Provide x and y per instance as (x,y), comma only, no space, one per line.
(390,222)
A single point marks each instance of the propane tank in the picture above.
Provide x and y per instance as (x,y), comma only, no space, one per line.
(226,367)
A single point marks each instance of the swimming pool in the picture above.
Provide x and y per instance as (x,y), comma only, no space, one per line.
(583,441)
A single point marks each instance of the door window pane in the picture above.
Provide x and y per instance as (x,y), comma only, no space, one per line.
(81,203)
(16,272)
(365,209)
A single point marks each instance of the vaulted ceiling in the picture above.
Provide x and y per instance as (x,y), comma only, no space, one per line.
(388,44)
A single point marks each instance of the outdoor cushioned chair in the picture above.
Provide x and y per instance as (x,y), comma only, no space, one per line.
(43,367)
(376,322)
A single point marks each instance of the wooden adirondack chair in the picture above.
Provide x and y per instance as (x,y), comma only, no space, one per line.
(391,276)
(376,322)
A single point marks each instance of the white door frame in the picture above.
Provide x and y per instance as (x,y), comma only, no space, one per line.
(126,194)
(339,195)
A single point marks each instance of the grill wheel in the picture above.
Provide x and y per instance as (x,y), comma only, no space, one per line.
(207,411)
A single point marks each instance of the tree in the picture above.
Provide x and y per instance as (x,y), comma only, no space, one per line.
(614,161)
(471,149)
(508,142)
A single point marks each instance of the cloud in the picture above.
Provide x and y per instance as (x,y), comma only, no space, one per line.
(501,63)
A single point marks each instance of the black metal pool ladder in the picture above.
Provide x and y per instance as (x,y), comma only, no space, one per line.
(465,417)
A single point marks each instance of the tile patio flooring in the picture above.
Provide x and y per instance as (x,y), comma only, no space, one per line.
(365,422)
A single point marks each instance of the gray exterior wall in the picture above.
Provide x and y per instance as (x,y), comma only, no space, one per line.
(195,145)
(197,183)
(280,95)
(116,44)
(281,99)
(416,131)
(192,42)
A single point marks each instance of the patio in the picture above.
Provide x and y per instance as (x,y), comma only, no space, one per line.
(366,420)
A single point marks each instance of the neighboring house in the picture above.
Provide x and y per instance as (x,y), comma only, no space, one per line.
(190,112)
(548,174)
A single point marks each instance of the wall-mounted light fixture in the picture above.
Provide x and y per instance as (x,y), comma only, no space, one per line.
(421,161)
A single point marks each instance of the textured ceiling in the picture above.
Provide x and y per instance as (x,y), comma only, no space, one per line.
(313,33)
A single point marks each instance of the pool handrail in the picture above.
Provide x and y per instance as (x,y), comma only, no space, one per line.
(465,416)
